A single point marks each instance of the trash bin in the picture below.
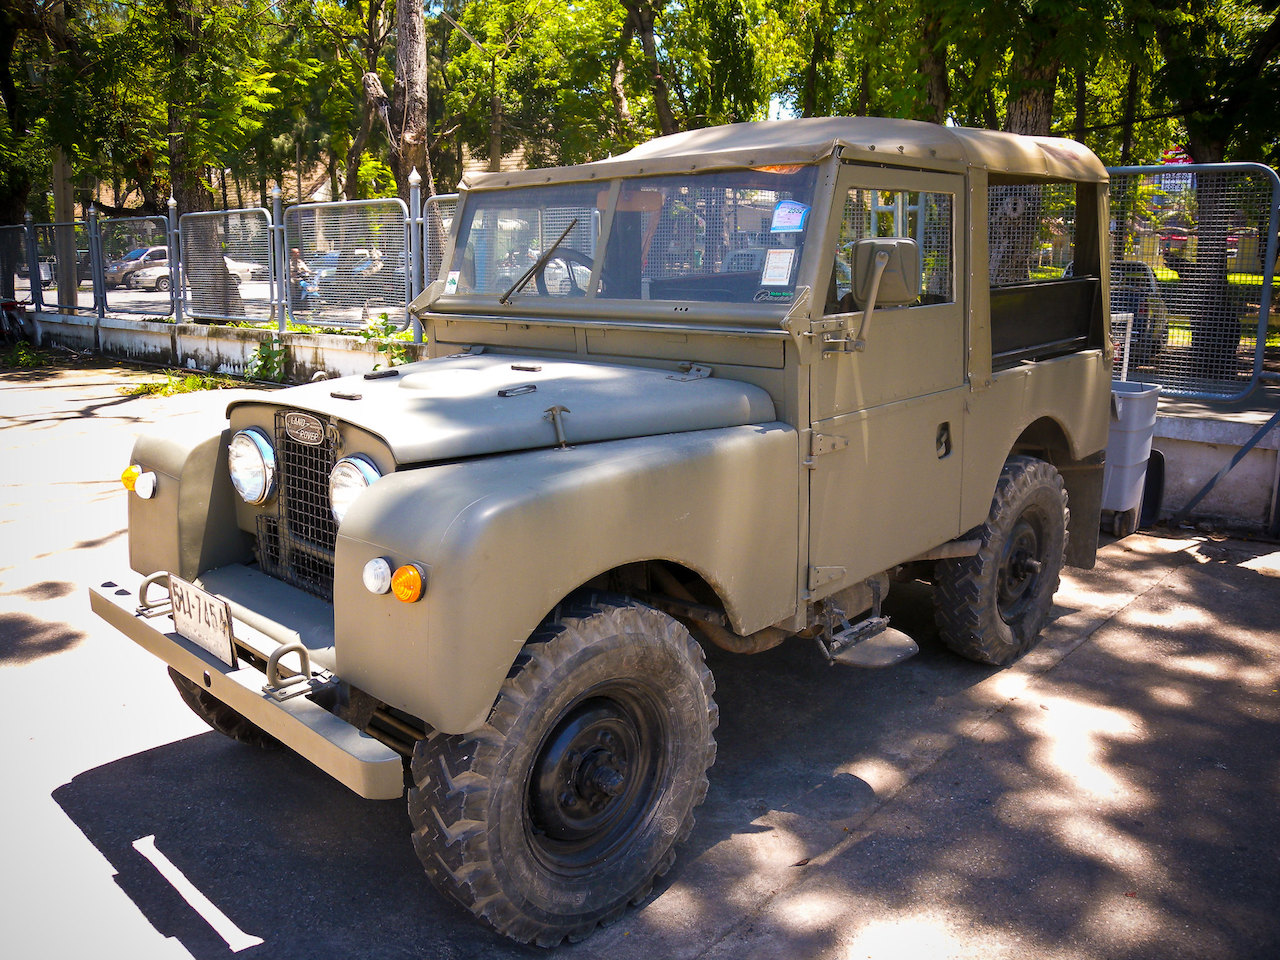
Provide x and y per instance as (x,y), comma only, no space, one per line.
(1133,424)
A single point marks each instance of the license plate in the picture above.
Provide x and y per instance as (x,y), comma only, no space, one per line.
(202,618)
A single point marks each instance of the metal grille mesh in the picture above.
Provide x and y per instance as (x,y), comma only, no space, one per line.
(1189,251)
(351,262)
(439,218)
(923,217)
(226,263)
(1030,231)
(296,545)
(57,243)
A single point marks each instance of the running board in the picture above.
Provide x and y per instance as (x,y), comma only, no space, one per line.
(869,643)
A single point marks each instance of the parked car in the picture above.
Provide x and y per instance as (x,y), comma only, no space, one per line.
(117,272)
(1134,289)
(151,278)
(489,563)
(244,270)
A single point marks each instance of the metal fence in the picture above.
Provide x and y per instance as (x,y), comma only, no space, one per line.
(135,264)
(227,270)
(348,263)
(1193,262)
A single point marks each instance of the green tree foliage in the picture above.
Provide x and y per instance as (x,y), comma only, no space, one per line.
(218,100)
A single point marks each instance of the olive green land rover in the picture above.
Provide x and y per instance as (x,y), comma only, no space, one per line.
(725,388)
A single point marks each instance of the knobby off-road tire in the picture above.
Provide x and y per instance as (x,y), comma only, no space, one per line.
(570,800)
(992,606)
(218,715)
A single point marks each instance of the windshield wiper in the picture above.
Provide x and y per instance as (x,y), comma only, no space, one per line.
(537,265)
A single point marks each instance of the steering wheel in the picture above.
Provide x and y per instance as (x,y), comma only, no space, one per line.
(568,257)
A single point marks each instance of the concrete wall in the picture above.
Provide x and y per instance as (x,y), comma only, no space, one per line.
(1195,449)
(217,349)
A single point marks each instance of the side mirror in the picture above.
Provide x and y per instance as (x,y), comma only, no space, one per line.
(899,279)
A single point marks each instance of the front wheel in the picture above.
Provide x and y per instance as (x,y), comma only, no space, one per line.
(218,715)
(991,607)
(570,800)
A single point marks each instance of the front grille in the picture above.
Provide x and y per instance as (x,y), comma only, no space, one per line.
(296,544)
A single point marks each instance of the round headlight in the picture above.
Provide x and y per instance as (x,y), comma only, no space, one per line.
(252,464)
(349,477)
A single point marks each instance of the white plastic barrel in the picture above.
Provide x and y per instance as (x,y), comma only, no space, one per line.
(1133,424)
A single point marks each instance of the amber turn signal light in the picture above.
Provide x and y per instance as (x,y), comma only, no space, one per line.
(409,582)
(130,476)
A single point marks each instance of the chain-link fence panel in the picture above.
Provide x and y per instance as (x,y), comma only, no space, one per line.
(59,244)
(226,265)
(15,271)
(347,262)
(438,221)
(1193,258)
(136,272)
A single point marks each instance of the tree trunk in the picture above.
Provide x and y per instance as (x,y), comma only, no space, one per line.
(1030,111)
(408,119)
(821,53)
(933,65)
(374,103)
(1082,90)
(617,91)
(1130,112)
(213,290)
(644,14)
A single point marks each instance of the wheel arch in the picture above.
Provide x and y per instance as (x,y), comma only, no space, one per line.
(540,525)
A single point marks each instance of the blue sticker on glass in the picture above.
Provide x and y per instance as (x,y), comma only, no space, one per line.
(789,217)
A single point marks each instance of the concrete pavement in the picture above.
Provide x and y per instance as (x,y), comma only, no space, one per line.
(1114,794)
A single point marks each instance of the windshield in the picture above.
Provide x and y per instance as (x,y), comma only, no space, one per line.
(725,237)
(134,254)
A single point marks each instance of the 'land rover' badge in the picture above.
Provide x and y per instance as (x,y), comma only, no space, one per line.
(304,428)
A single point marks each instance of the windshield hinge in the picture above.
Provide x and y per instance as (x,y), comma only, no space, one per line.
(690,371)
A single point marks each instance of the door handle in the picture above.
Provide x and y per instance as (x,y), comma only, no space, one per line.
(943,440)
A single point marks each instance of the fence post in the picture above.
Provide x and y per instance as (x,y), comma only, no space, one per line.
(34,280)
(177,288)
(278,267)
(96,265)
(413,267)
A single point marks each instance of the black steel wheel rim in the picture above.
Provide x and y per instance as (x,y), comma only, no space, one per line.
(594,782)
(1021,562)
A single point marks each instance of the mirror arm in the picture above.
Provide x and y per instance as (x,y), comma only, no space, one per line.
(864,328)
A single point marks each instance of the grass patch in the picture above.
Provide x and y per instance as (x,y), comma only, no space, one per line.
(179,381)
(23,356)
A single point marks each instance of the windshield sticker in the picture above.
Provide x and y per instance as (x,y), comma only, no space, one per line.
(451,283)
(789,216)
(777,267)
(774,296)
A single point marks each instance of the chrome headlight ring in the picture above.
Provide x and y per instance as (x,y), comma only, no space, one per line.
(350,477)
(251,461)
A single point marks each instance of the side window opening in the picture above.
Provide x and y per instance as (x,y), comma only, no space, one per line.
(923,217)
(1043,295)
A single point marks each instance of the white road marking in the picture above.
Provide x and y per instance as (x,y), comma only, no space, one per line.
(236,938)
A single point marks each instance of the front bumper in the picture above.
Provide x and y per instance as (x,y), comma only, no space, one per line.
(370,768)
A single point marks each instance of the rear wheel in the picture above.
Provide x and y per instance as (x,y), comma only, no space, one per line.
(564,806)
(218,715)
(162,284)
(991,607)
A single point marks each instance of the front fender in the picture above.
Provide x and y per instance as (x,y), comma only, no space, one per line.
(506,538)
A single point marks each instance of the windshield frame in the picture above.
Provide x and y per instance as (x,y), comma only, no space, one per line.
(810,181)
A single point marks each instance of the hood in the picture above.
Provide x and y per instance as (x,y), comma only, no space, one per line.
(468,406)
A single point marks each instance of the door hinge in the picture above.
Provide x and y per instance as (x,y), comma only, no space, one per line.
(820,443)
(820,576)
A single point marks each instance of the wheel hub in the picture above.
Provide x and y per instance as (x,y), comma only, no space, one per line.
(590,779)
(1019,570)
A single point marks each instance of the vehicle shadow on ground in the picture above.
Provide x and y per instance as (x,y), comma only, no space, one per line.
(292,857)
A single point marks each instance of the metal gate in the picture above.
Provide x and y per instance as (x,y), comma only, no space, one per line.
(136,266)
(228,272)
(351,264)
(1193,255)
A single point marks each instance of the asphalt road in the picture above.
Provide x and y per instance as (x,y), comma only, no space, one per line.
(1113,795)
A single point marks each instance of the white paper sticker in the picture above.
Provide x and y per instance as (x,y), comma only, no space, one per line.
(451,282)
(777,267)
(789,217)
